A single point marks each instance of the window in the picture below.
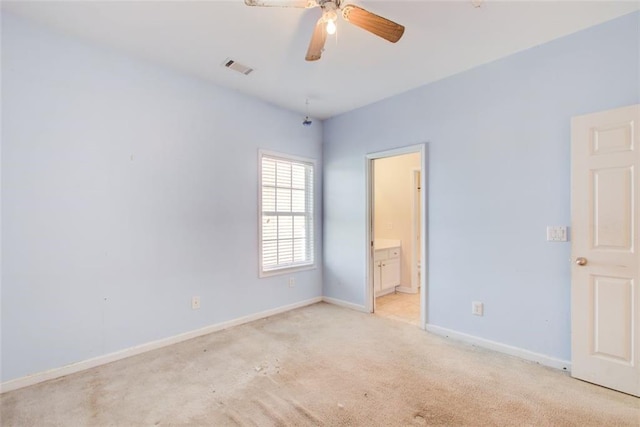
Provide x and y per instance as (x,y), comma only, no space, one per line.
(286,213)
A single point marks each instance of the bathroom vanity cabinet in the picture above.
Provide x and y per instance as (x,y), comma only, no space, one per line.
(386,262)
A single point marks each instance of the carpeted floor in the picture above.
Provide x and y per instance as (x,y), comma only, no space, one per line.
(319,365)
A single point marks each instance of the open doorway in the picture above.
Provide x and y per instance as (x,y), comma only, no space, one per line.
(396,285)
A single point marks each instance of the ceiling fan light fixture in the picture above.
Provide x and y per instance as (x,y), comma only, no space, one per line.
(330,17)
(326,24)
(331,27)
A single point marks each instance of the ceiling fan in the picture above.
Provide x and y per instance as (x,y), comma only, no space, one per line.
(355,15)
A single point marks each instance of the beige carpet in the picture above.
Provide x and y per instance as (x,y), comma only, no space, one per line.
(319,365)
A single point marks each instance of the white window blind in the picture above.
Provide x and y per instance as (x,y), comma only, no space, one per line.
(286,224)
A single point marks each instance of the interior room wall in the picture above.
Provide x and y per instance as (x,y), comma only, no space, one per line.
(126,190)
(393,201)
(499,173)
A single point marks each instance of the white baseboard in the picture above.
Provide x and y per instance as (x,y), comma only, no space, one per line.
(385,292)
(345,304)
(407,289)
(142,348)
(542,359)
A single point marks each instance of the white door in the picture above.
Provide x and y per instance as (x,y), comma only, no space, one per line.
(605,294)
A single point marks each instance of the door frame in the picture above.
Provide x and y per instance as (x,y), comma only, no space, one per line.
(422,149)
(416,188)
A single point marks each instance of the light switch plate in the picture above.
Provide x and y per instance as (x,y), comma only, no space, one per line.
(557,233)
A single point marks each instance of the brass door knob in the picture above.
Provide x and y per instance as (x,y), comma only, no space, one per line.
(581,261)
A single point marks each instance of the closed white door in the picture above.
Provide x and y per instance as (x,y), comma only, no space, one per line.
(605,294)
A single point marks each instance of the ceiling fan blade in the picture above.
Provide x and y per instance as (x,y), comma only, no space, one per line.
(373,23)
(316,45)
(282,3)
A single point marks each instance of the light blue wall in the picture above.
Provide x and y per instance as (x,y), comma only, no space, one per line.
(103,251)
(499,173)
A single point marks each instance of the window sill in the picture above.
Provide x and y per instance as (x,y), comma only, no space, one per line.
(286,270)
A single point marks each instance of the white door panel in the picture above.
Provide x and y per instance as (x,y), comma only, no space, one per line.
(605,300)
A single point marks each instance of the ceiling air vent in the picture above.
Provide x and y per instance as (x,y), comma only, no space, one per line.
(236,66)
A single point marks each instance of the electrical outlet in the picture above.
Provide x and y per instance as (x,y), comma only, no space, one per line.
(195,303)
(477,308)
(292,282)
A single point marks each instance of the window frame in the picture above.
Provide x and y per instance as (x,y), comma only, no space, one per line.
(311,216)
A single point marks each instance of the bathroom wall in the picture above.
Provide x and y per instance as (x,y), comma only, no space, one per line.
(393,205)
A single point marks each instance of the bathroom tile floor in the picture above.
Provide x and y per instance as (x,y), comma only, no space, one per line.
(399,306)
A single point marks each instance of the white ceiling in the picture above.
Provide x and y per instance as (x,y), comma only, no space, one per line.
(357,68)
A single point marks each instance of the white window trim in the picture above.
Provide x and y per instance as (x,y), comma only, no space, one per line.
(290,269)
